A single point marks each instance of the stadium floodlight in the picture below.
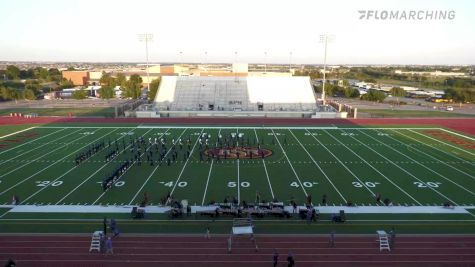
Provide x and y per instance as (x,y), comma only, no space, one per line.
(146,38)
(325,38)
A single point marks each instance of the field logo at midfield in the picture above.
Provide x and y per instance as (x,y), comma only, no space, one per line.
(243,152)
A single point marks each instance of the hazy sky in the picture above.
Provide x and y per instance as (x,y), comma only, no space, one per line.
(106,30)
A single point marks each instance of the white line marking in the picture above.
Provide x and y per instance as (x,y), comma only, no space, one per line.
(420,164)
(133,162)
(265,168)
(90,176)
(62,175)
(209,173)
(186,162)
(292,167)
(318,166)
(33,149)
(404,170)
(389,180)
(456,147)
(238,181)
(29,177)
(445,152)
(438,160)
(34,140)
(154,170)
(338,159)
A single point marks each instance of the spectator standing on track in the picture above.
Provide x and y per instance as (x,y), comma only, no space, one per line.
(104,222)
(392,237)
(113,227)
(10,263)
(207,234)
(290,260)
(275,258)
(332,239)
(109,246)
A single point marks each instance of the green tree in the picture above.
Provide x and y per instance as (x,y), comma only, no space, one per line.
(29,94)
(120,79)
(80,94)
(40,73)
(374,95)
(397,92)
(12,72)
(54,75)
(5,93)
(133,87)
(107,80)
(106,92)
(66,84)
(153,89)
(71,68)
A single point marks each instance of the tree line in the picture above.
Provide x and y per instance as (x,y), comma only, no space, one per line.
(41,80)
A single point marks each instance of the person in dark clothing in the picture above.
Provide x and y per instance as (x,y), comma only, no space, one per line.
(10,263)
(105,225)
(275,258)
(290,260)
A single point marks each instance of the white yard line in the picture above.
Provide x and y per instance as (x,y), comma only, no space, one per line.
(265,169)
(318,166)
(455,133)
(42,156)
(372,167)
(33,149)
(238,178)
(434,158)
(154,170)
(90,176)
(47,167)
(209,173)
(456,147)
(290,163)
(404,170)
(445,152)
(17,132)
(186,162)
(133,162)
(342,164)
(34,140)
(64,174)
(422,165)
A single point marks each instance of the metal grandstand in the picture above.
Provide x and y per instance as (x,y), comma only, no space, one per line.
(188,96)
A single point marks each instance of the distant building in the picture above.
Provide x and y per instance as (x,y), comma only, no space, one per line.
(78,78)
(430,73)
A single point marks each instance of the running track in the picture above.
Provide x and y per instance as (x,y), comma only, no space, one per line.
(177,251)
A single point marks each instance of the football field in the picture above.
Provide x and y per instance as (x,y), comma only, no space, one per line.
(405,166)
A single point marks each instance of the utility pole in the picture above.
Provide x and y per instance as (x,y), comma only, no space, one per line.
(146,37)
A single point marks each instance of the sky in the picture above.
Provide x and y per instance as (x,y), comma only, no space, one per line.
(208,31)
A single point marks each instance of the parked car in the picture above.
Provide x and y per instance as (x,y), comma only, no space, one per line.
(449,108)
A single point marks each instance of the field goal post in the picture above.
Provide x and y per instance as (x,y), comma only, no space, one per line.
(242,227)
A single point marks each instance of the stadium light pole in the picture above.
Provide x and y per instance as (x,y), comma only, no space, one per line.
(181,62)
(325,38)
(146,38)
(265,62)
(290,61)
